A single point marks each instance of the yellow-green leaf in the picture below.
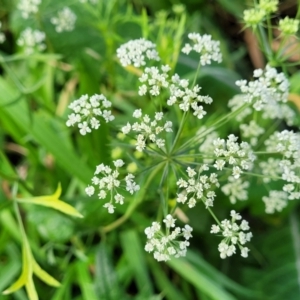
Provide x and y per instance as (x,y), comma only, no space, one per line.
(43,275)
(56,204)
(16,285)
(53,202)
(31,291)
(26,272)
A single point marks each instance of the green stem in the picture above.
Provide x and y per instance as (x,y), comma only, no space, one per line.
(19,219)
(196,75)
(214,216)
(133,205)
(298,11)
(164,200)
(214,126)
(263,41)
(270,36)
(179,131)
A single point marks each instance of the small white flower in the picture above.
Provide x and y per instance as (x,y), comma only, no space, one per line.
(135,52)
(208,49)
(233,235)
(90,190)
(169,221)
(187,231)
(32,40)
(119,199)
(28,7)
(236,216)
(119,163)
(181,198)
(219,164)
(215,229)
(244,252)
(84,128)
(109,207)
(137,113)
(192,202)
(86,110)
(64,21)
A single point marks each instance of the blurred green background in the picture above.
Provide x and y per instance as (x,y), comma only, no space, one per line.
(37,150)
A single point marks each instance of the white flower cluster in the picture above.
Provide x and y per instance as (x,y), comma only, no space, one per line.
(270,169)
(64,21)
(148,129)
(153,81)
(135,52)
(2,36)
(287,143)
(236,103)
(234,235)
(207,145)
(85,109)
(109,182)
(236,189)
(208,49)
(197,187)
(286,168)
(276,201)
(28,7)
(165,245)
(251,131)
(268,93)
(240,156)
(32,40)
(179,92)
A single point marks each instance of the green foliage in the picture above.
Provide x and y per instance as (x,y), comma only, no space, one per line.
(86,256)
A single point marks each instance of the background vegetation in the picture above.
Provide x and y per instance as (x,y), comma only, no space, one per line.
(90,257)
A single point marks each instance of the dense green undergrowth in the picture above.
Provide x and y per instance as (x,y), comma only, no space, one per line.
(47,217)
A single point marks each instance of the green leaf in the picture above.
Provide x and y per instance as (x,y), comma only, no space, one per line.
(43,129)
(201,281)
(8,222)
(25,275)
(196,260)
(135,256)
(31,291)
(44,276)
(278,277)
(11,268)
(63,292)
(164,283)
(53,202)
(106,283)
(85,281)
